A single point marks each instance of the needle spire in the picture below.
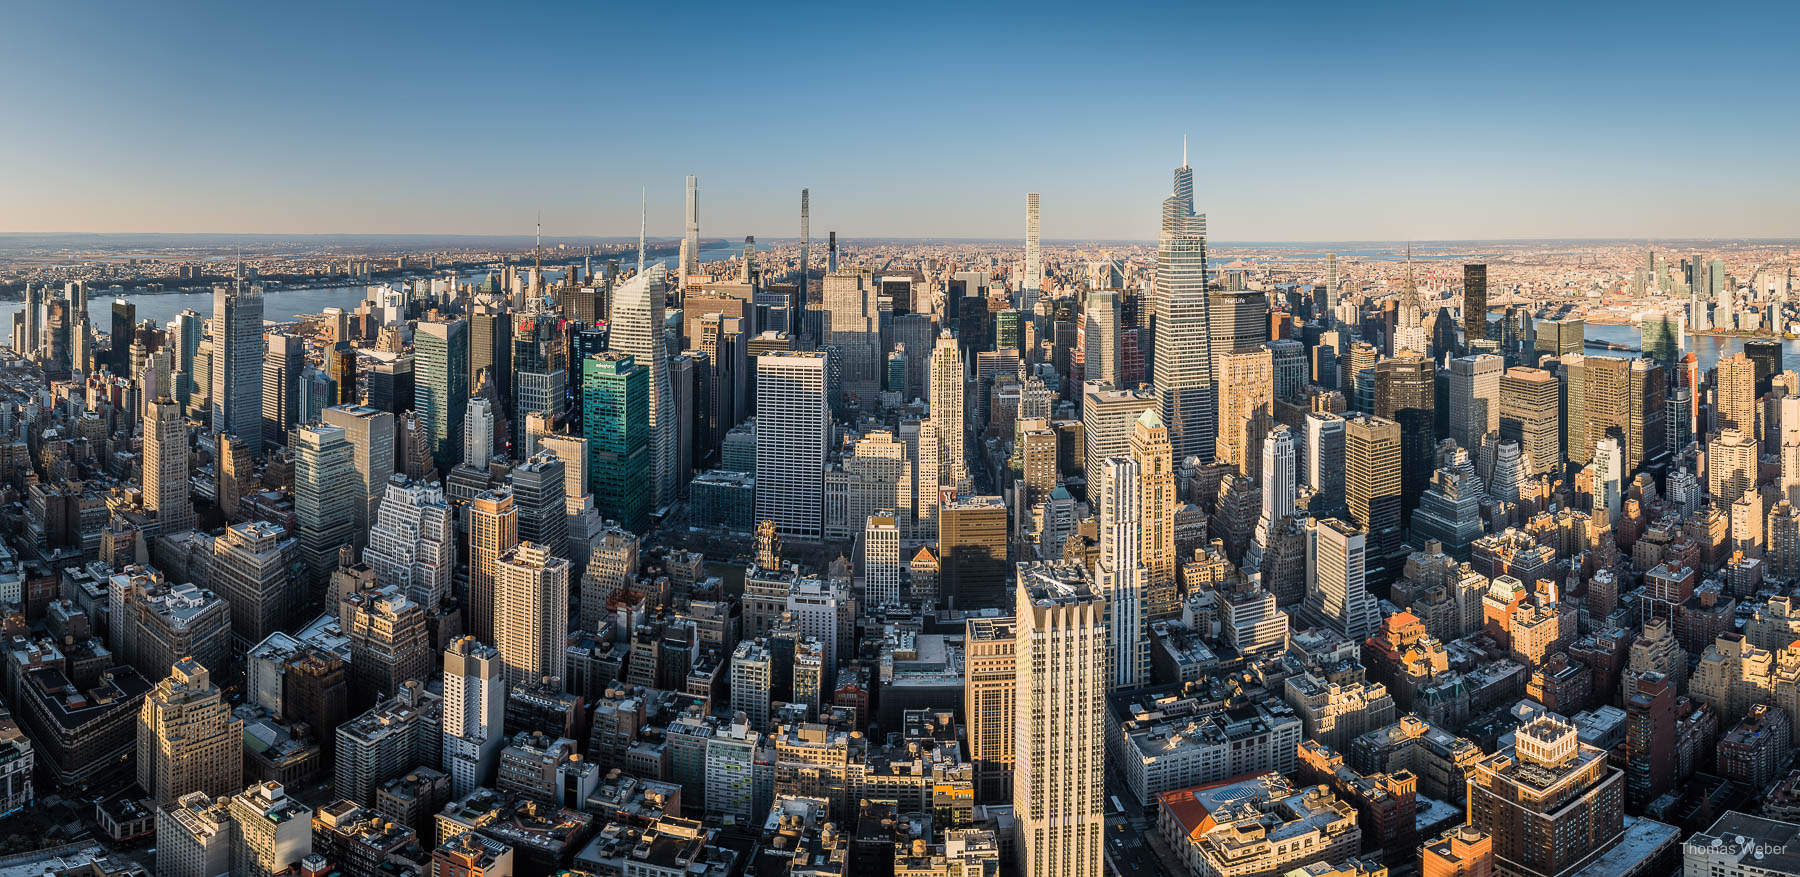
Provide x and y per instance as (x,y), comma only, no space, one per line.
(643,221)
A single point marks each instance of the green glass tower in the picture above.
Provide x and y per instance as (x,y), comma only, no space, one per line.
(615,417)
(441,387)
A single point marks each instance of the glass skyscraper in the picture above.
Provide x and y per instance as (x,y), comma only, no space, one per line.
(615,418)
(1182,366)
(441,387)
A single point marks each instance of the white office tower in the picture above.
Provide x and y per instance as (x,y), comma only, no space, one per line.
(1278,490)
(850,320)
(793,430)
(1100,349)
(478,434)
(166,466)
(531,612)
(274,831)
(881,560)
(690,242)
(1182,365)
(474,714)
(1475,398)
(1337,596)
(237,364)
(1059,744)
(1121,571)
(194,837)
(947,409)
(1034,265)
(1609,478)
(413,543)
(371,436)
(637,329)
(34,331)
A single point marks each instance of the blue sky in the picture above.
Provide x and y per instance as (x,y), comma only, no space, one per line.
(1306,121)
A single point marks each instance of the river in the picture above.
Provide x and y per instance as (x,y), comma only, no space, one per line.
(1708,349)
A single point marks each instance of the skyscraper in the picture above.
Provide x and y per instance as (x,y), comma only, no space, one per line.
(1474,303)
(324,497)
(881,559)
(124,322)
(1121,574)
(493,531)
(1323,470)
(990,693)
(1033,281)
(1060,744)
(1182,365)
(1737,394)
(474,713)
(281,386)
(1474,398)
(1529,398)
(413,543)
(1100,337)
(1372,486)
(166,466)
(801,309)
(274,831)
(615,401)
(947,406)
(441,387)
(540,494)
(793,431)
(1150,450)
(187,739)
(1337,596)
(371,436)
(237,364)
(531,612)
(1246,407)
(690,241)
(637,331)
(1550,802)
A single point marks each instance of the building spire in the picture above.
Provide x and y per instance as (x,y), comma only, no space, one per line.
(1184,150)
(643,221)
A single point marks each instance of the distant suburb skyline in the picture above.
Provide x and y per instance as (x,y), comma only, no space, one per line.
(1310,122)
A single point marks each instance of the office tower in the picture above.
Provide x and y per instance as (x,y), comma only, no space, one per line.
(195,836)
(1239,321)
(1060,745)
(33,323)
(615,402)
(370,433)
(538,493)
(490,347)
(237,364)
(1358,378)
(612,567)
(1182,365)
(540,371)
(441,387)
(390,642)
(1337,595)
(793,430)
(413,543)
(281,386)
(185,337)
(990,692)
(690,241)
(474,713)
(1034,266)
(274,831)
(1323,471)
(1372,486)
(751,681)
(1278,488)
(851,316)
(637,331)
(187,739)
(881,560)
(1474,398)
(1406,393)
(166,466)
(1529,398)
(478,434)
(1246,397)
(947,407)
(1737,394)
(324,497)
(1766,354)
(1121,574)
(391,385)
(250,569)
(1100,337)
(972,539)
(1624,398)
(235,472)
(1547,785)
(531,612)
(1150,449)
(1474,303)
(493,520)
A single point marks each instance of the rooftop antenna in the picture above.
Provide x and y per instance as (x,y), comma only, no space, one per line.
(537,250)
(643,220)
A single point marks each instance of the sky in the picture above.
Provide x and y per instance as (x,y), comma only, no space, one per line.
(1304,121)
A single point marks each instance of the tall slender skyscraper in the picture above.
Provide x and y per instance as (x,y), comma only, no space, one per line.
(371,437)
(493,531)
(324,497)
(1121,573)
(1060,747)
(166,466)
(1151,451)
(531,612)
(637,330)
(237,364)
(615,408)
(690,244)
(1474,303)
(1182,364)
(1034,266)
(805,242)
(441,387)
(947,408)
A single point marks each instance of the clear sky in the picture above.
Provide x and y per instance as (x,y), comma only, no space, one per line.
(1306,121)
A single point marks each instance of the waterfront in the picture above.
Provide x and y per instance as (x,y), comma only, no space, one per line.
(1708,349)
